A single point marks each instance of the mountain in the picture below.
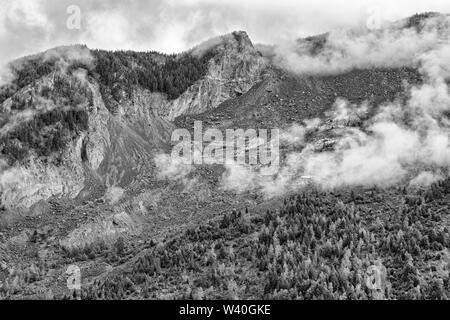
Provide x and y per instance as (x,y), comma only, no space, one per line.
(86,176)
(119,106)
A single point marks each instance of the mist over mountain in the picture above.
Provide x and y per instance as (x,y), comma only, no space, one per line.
(87,175)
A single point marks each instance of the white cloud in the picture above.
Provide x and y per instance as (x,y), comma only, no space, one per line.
(387,149)
(28,26)
(107,30)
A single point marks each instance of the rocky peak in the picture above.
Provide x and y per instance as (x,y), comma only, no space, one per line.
(240,41)
(234,68)
(236,41)
(66,86)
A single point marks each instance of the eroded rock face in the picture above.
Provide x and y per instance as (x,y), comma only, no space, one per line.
(237,67)
(119,148)
(39,181)
(140,114)
(98,139)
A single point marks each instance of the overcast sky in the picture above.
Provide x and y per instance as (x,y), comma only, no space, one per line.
(29,26)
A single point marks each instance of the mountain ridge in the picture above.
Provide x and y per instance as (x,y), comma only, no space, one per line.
(234,68)
(87,177)
(123,92)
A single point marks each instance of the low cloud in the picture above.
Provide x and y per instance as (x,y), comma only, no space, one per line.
(10,177)
(402,143)
(343,50)
(425,179)
(350,148)
(171,168)
(28,26)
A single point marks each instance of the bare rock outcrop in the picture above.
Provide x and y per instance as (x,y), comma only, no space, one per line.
(116,147)
(235,69)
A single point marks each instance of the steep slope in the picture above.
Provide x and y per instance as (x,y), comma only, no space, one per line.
(84,140)
(316,246)
(123,103)
(283,98)
(234,70)
(52,155)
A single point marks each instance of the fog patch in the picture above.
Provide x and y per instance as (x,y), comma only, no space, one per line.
(171,168)
(114,194)
(425,179)
(343,50)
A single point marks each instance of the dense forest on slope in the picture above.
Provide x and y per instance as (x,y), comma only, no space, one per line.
(46,133)
(318,246)
(120,71)
(25,73)
(49,130)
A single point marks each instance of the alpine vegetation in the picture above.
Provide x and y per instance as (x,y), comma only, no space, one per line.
(168,156)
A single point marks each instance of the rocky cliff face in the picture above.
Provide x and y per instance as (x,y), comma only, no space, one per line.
(116,148)
(29,183)
(235,69)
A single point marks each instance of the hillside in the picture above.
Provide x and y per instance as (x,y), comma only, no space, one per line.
(87,179)
(317,246)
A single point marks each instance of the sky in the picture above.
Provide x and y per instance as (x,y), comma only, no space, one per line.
(30,26)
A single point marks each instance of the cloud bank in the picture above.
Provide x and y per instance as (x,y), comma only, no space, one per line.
(28,26)
(343,50)
(382,152)
(402,142)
